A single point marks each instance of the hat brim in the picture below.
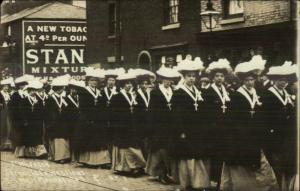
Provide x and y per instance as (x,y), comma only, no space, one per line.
(143,78)
(111,76)
(21,83)
(288,77)
(243,75)
(219,70)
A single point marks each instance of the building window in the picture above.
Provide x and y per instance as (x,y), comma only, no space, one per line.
(233,8)
(9,30)
(111,19)
(171,11)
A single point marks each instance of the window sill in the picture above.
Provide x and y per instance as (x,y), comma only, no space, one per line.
(171,26)
(111,36)
(232,20)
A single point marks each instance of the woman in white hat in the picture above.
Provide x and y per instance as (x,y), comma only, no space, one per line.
(42,97)
(143,109)
(5,100)
(158,160)
(58,133)
(92,141)
(218,103)
(32,133)
(127,157)
(108,92)
(279,115)
(15,105)
(190,130)
(73,113)
(246,167)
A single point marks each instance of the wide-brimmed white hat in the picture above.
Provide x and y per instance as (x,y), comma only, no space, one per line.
(61,80)
(130,75)
(287,70)
(187,65)
(7,81)
(24,79)
(77,83)
(34,84)
(259,62)
(168,73)
(94,72)
(222,65)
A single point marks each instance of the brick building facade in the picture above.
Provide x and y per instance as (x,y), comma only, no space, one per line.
(257,27)
(260,27)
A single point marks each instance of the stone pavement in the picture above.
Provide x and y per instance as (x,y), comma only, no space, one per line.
(40,175)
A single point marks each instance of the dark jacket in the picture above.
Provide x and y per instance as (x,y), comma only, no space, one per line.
(123,123)
(32,131)
(56,119)
(244,133)
(93,131)
(193,124)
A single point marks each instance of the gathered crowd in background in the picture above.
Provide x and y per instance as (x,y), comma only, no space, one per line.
(218,128)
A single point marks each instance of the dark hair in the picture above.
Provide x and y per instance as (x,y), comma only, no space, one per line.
(242,76)
(219,70)
(57,88)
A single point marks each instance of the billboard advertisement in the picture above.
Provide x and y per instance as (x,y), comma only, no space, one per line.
(52,48)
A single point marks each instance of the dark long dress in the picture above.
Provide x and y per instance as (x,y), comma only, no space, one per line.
(143,116)
(57,130)
(193,149)
(246,167)
(127,155)
(92,141)
(107,94)
(32,136)
(72,121)
(17,122)
(6,123)
(280,141)
(218,118)
(158,161)
(193,124)
(41,105)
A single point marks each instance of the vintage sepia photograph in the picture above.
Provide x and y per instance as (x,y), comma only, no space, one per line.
(149,95)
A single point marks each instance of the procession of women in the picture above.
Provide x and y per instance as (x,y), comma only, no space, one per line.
(203,128)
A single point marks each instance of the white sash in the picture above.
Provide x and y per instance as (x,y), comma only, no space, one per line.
(6,96)
(113,92)
(21,93)
(42,98)
(287,96)
(164,92)
(147,101)
(223,97)
(61,103)
(253,101)
(32,101)
(131,102)
(73,101)
(196,98)
(95,95)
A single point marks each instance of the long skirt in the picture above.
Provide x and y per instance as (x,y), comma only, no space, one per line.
(127,159)
(94,157)
(6,130)
(158,163)
(59,149)
(241,178)
(31,152)
(194,173)
(290,183)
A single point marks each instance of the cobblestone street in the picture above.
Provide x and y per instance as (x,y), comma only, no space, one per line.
(33,174)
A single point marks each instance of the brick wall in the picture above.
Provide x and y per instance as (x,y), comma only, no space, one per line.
(256,13)
(142,22)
